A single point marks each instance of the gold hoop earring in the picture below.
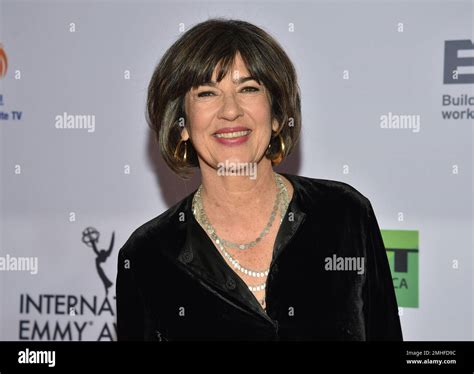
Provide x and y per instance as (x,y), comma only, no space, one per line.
(278,158)
(176,151)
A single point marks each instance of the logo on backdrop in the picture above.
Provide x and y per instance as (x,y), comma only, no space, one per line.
(458,59)
(458,66)
(7,115)
(402,252)
(3,62)
(3,67)
(74,317)
(90,236)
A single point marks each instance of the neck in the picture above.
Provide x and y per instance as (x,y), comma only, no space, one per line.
(233,193)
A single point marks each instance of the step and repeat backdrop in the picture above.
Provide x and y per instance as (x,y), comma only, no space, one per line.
(387,105)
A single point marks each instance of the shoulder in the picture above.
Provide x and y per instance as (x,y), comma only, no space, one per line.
(333,194)
(164,229)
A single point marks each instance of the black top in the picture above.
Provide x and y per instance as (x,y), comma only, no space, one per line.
(173,284)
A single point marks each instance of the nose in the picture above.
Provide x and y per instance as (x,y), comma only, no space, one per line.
(230,108)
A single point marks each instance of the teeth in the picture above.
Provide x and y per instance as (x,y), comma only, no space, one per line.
(230,135)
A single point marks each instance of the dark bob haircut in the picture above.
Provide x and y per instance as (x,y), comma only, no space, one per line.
(190,62)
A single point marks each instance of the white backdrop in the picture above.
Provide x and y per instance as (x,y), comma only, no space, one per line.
(357,61)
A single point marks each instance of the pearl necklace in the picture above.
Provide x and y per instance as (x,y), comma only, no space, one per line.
(280,200)
(281,204)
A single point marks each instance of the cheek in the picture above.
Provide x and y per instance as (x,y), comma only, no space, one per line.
(262,118)
(259,108)
(198,120)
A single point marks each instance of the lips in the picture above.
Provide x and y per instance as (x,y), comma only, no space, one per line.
(227,130)
(232,135)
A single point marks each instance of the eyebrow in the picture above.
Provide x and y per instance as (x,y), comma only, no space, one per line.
(238,81)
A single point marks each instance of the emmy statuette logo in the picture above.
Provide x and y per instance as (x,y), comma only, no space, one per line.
(90,237)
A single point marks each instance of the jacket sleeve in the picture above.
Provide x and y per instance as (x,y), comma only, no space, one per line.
(130,312)
(381,309)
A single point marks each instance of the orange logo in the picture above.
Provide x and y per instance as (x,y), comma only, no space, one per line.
(3,62)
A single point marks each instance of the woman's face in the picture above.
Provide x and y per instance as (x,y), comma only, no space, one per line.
(229,121)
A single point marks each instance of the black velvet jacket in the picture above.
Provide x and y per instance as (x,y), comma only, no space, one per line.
(173,284)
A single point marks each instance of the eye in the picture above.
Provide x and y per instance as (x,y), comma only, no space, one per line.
(205,94)
(252,89)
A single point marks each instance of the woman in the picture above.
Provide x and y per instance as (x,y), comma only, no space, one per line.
(251,254)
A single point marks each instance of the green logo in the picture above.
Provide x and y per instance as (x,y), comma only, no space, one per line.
(402,253)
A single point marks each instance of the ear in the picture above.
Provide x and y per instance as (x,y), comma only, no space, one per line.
(184,134)
(275,125)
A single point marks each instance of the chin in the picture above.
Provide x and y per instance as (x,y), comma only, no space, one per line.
(236,166)
(234,158)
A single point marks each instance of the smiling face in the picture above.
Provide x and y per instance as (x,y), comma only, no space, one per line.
(229,120)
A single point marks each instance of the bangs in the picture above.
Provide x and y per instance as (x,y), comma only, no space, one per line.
(221,55)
